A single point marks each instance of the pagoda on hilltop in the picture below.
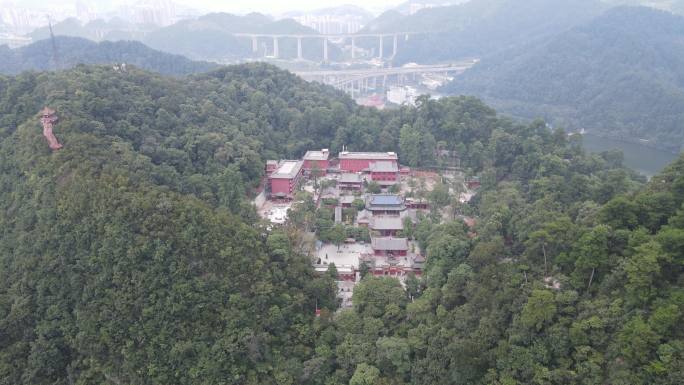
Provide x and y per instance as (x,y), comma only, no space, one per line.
(48,119)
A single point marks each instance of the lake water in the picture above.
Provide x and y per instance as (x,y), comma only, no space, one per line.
(646,160)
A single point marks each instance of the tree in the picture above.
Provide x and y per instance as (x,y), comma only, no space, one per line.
(374,294)
(373,187)
(316,173)
(359,204)
(365,375)
(363,269)
(539,310)
(592,253)
(337,235)
(332,271)
(643,271)
(409,145)
(439,196)
(408,228)
(394,356)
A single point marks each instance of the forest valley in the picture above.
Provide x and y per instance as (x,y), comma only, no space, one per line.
(132,255)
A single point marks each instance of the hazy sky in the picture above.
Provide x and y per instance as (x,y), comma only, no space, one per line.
(280,6)
(242,6)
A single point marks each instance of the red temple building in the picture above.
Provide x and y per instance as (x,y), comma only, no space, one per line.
(387,226)
(384,172)
(317,159)
(271,166)
(389,247)
(349,181)
(285,179)
(361,161)
(385,204)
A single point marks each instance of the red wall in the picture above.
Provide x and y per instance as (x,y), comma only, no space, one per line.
(382,253)
(322,165)
(280,186)
(356,165)
(384,176)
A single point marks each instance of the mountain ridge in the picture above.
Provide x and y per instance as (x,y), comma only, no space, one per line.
(38,56)
(619,73)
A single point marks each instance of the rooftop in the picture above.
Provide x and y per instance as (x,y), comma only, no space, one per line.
(389,243)
(287,169)
(386,223)
(350,178)
(363,216)
(347,199)
(369,155)
(385,200)
(384,167)
(317,155)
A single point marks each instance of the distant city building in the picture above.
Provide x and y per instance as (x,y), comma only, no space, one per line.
(415,7)
(331,24)
(402,95)
(84,12)
(14,41)
(285,179)
(152,12)
(23,20)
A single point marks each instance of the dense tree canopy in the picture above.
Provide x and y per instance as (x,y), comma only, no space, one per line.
(620,74)
(132,256)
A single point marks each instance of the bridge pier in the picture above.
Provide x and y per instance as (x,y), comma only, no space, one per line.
(325,49)
(275,47)
(299,48)
(353,49)
(394,46)
(382,41)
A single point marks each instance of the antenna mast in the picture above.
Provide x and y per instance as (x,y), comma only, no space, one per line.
(54,45)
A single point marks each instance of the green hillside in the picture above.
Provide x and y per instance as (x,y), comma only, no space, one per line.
(96,30)
(72,51)
(482,27)
(621,74)
(210,37)
(132,256)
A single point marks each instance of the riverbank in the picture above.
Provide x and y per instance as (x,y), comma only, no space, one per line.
(645,159)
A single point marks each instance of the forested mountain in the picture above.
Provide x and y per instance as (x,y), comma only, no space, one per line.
(675,6)
(38,56)
(131,256)
(621,74)
(97,30)
(482,27)
(211,37)
(208,37)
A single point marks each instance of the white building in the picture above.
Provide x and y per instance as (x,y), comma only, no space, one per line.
(402,95)
(331,24)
